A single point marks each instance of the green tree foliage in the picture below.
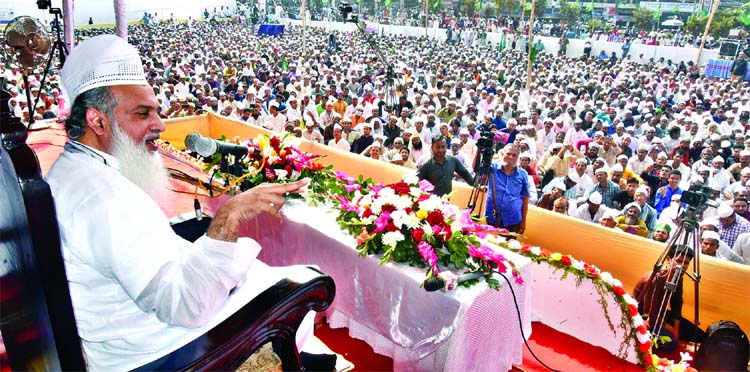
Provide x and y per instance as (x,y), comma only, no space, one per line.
(469,7)
(724,21)
(594,24)
(570,12)
(643,18)
(507,5)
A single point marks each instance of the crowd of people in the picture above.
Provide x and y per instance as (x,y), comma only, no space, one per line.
(615,142)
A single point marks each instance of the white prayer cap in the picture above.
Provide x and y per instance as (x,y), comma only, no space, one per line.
(725,211)
(610,213)
(642,190)
(622,156)
(101,61)
(662,155)
(745,171)
(595,198)
(712,221)
(617,168)
(633,204)
(745,153)
(643,147)
(714,186)
(555,146)
(713,235)
(601,170)
(560,185)
(719,159)
(338,127)
(525,154)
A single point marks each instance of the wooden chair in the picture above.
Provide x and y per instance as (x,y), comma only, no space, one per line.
(36,314)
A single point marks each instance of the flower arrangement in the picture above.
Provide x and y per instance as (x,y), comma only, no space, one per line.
(406,223)
(582,270)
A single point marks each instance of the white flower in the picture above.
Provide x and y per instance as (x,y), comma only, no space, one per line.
(268,151)
(398,217)
(377,206)
(430,204)
(577,264)
(685,357)
(365,201)
(386,192)
(629,299)
(411,221)
(616,283)
(643,338)
(280,174)
(415,192)
(402,202)
(295,175)
(637,321)
(392,238)
(411,178)
(607,277)
(535,250)
(515,244)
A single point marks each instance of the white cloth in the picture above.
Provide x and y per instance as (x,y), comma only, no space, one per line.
(137,288)
(341,144)
(582,213)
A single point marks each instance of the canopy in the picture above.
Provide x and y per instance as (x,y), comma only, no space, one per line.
(673,23)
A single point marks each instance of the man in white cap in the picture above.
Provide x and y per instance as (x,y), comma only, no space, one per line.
(639,163)
(606,188)
(591,211)
(712,245)
(338,141)
(630,221)
(731,225)
(137,287)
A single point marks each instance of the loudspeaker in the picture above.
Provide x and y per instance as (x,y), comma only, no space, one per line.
(728,49)
(725,348)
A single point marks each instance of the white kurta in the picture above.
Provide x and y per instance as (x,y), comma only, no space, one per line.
(139,291)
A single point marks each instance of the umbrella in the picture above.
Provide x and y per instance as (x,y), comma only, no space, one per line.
(673,23)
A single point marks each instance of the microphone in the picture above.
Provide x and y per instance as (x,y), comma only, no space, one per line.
(206,146)
(436,283)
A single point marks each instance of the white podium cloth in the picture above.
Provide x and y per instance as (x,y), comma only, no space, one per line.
(470,329)
(574,310)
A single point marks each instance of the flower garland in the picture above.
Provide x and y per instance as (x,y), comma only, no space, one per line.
(404,222)
(582,270)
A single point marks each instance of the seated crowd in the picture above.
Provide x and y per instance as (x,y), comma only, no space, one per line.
(615,144)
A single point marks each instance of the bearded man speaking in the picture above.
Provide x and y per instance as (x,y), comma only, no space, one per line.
(139,291)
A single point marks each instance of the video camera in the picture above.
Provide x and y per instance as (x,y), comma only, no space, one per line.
(699,196)
(485,151)
(346,13)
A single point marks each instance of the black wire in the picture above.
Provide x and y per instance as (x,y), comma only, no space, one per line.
(520,325)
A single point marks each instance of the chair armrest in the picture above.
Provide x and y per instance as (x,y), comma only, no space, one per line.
(274,315)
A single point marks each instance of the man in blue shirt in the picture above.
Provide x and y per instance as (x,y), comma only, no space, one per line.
(664,193)
(508,197)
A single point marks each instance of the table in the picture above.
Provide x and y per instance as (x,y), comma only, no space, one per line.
(470,329)
(271,30)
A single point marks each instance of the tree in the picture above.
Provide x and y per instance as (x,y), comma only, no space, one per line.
(594,24)
(643,18)
(570,12)
(507,5)
(724,20)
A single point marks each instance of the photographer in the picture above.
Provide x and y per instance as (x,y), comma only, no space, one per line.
(508,194)
(440,168)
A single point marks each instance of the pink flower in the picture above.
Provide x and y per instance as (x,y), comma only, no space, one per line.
(426,186)
(352,188)
(382,222)
(425,249)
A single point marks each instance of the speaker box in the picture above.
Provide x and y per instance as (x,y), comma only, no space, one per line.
(728,49)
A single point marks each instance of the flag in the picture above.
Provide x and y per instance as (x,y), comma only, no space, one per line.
(527,6)
(479,5)
(746,19)
(387,3)
(284,65)
(533,54)
(590,7)
(502,42)
(325,2)
(657,13)
(435,4)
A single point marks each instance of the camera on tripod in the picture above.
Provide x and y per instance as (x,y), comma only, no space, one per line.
(346,13)
(485,152)
(698,197)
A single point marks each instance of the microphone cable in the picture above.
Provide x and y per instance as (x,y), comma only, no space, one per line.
(520,325)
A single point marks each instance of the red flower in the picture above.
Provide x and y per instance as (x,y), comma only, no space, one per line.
(545,253)
(401,188)
(387,208)
(275,143)
(592,270)
(367,212)
(566,260)
(526,248)
(418,235)
(632,310)
(663,362)
(619,290)
(645,347)
(435,218)
(391,227)
(423,197)
(642,329)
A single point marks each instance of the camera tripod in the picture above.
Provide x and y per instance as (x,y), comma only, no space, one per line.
(482,180)
(57,46)
(390,74)
(684,241)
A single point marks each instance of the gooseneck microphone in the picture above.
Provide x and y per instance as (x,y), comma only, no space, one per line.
(436,282)
(206,146)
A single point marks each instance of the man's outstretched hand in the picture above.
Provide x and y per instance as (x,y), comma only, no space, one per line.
(264,198)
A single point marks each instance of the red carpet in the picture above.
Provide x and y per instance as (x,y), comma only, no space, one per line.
(557,350)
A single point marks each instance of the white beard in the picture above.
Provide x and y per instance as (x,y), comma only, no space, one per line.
(139,165)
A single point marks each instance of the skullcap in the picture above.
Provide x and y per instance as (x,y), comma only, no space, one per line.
(595,198)
(725,211)
(101,61)
(713,235)
(633,204)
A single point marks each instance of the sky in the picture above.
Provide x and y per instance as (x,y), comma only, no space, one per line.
(102,11)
